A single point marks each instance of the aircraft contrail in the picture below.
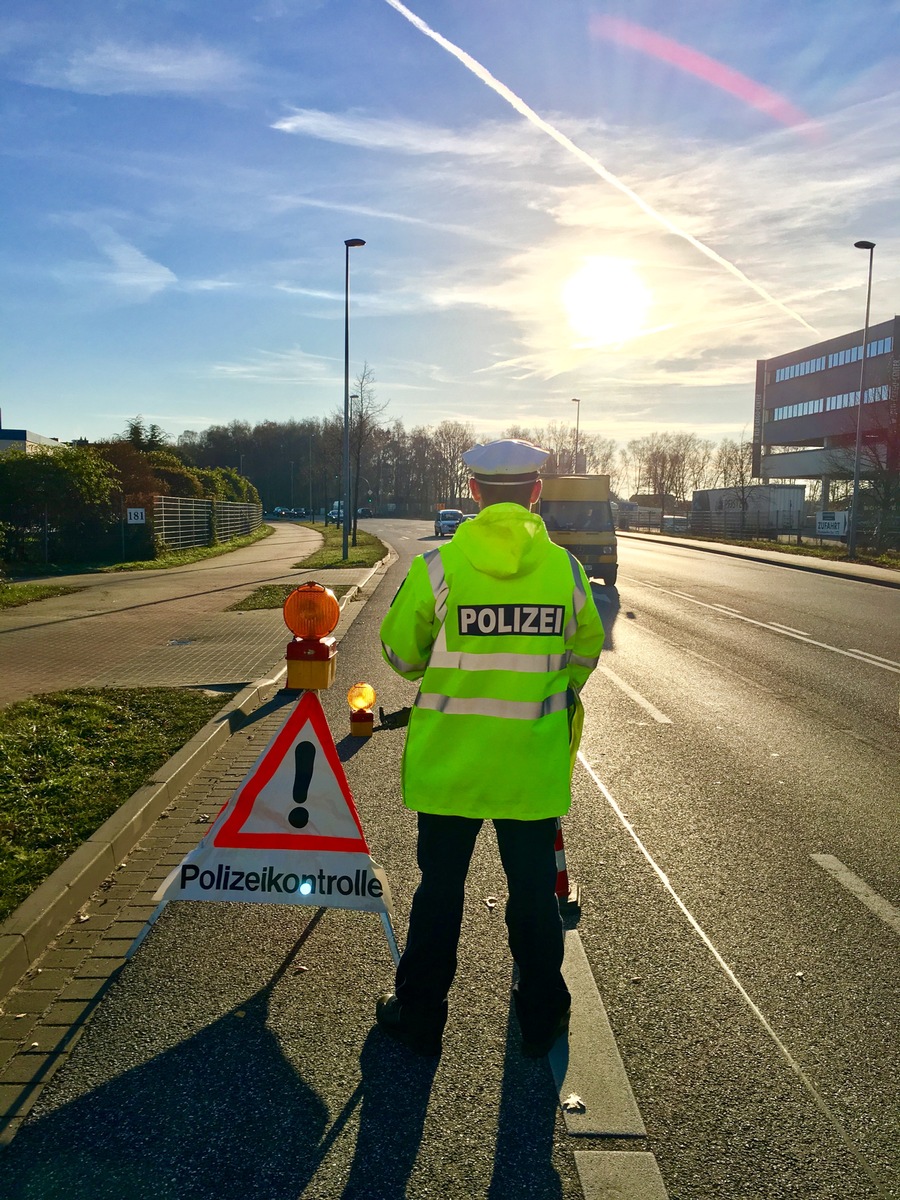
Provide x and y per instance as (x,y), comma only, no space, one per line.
(710,70)
(589,161)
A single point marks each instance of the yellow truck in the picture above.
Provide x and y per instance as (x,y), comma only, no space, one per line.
(578,515)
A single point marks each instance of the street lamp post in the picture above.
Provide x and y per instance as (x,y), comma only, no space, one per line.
(348,243)
(577,423)
(854,502)
(351,524)
(292,485)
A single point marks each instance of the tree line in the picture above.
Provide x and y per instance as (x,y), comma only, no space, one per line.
(409,472)
(67,503)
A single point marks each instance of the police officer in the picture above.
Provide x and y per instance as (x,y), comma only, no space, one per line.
(501,628)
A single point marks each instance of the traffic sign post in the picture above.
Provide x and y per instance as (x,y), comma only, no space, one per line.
(568,894)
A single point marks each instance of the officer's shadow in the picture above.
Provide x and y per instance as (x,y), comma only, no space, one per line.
(395,1089)
(396,1086)
(523,1165)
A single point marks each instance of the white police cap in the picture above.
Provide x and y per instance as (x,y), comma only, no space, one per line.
(509,460)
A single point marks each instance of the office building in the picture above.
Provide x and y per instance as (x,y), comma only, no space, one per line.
(806,405)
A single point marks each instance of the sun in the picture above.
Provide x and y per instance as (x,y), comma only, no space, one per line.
(606,302)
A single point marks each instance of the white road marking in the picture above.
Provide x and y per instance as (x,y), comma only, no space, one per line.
(819,1101)
(885,665)
(619,1175)
(788,629)
(876,657)
(726,608)
(860,889)
(587,1063)
(636,696)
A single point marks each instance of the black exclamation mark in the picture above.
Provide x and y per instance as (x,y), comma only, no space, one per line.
(304,761)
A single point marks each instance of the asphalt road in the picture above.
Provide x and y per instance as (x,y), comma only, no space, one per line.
(752,996)
(745,719)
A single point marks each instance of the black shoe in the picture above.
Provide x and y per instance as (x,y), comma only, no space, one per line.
(421,1034)
(537,1047)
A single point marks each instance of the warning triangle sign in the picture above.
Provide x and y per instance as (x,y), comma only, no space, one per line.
(296,797)
(290,834)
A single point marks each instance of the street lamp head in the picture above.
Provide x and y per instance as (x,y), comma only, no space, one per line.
(354,242)
(575,400)
(864,245)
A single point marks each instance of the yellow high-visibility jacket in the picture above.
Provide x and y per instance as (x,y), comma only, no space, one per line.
(501,628)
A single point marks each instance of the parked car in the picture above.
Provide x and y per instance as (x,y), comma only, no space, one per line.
(447,522)
(364,512)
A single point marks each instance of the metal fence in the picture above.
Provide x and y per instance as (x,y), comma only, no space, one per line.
(179,522)
(728,524)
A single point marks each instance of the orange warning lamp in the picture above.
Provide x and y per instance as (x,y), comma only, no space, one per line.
(361,699)
(311,611)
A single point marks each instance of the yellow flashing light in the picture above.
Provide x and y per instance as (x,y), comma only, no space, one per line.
(311,611)
(361,696)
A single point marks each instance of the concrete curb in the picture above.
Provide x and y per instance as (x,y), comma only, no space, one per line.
(861,573)
(28,931)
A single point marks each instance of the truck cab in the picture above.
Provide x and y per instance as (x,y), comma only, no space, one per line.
(577,512)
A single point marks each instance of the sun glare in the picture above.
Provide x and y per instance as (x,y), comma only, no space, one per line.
(606,302)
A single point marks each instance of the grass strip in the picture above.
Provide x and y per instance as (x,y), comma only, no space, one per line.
(889,558)
(13,595)
(172,558)
(68,760)
(366,553)
(181,558)
(273,595)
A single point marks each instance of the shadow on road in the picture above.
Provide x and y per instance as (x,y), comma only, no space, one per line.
(395,1087)
(607,601)
(523,1169)
(222,1114)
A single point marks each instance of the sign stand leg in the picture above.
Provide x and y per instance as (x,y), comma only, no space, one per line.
(389,934)
(151,921)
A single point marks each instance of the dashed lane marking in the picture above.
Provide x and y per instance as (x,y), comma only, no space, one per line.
(635,696)
(619,1175)
(860,889)
(788,629)
(860,656)
(876,657)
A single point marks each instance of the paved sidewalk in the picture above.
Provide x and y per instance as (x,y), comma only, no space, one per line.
(159,628)
(62,947)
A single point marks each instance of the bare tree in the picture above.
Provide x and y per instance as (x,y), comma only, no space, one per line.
(734,463)
(451,439)
(365,410)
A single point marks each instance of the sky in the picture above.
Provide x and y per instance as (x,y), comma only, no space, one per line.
(627,203)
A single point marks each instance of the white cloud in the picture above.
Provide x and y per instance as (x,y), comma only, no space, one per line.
(129,272)
(111,68)
(494,141)
(287,366)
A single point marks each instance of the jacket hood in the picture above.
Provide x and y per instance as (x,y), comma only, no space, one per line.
(503,540)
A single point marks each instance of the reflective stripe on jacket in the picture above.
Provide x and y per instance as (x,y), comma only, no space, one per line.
(501,628)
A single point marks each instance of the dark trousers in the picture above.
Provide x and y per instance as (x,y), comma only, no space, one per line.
(428,964)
